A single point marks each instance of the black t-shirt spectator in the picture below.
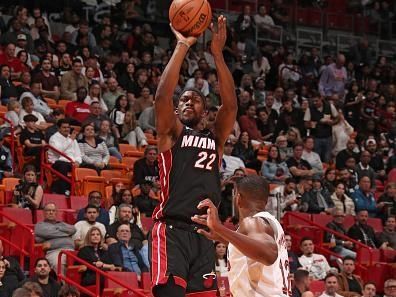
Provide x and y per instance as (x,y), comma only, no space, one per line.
(299,164)
(145,204)
(7,89)
(47,83)
(143,171)
(34,137)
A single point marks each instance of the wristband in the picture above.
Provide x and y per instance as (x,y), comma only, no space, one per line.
(184,42)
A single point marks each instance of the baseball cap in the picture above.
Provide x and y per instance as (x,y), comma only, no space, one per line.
(21,37)
(371,141)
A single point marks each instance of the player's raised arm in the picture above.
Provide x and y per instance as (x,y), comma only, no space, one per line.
(166,121)
(228,110)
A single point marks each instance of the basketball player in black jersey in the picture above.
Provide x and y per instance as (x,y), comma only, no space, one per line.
(189,159)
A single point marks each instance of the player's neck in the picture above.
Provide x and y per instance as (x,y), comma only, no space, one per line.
(244,213)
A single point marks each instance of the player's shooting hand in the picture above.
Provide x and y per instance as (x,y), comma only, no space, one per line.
(190,41)
(219,36)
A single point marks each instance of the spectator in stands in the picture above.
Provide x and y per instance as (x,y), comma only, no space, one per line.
(299,167)
(117,115)
(229,163)
(331,286)
(364,198)
(363,168)
(274,169)
(341,132)
(361,231)
(124,197)
(248,123)
(94,95)
(387,201)
(28,193)
(279,13)
(132,132)
(341,201)
(12,114)
(144,202)
(317,200)
(333,78)
(376,160)
(302,282)
(264,21)
(286,195)
(82,227)
(68,291)
(265,124)
(94,152)
(312,157)
(343,155)
(350,285)
(387,238)
(39,103)
(83,32)
(6,286)
(13,274)
(147,120)
(96,116)
(27,108)
(8,90)
(72,81)
(108,137)
(55,235)
(390,288)
(329,181)
(146,168)
(227,194)
(244,150)
(319,118)
(145,100)
(42,269)
(294,264)
(369,290)
(222,265)
(315,264)
(77,111)
(125,254)
(23,292)
(49,84)
(112,93)
(341,246)
(94,251)
(66,143)
(289,116)
(5,159)
(95,199)
(32,139)
(8,58)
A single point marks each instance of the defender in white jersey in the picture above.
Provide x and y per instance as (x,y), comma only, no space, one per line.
(257,250)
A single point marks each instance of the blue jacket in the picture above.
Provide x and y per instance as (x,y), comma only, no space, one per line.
(102,218)
(363,202)
(117,259)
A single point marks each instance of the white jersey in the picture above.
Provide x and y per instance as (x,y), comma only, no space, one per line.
(249,278)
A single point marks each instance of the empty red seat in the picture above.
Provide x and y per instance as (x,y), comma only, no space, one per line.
(78,202)
(376,224)
(349,221)
(293,218)
(302,16)
(365,254)
(317,287)
(60,201)
(315,17)
(321,219)
(23,216)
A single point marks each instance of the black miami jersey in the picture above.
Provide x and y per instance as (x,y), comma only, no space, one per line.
(189,173)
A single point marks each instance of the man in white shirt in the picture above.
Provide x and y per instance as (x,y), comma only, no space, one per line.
(315,264)
(82,227)
(229,163)
(263,21)
(311,157)
(287,197)
(331,286)
(66,143)
(39,104)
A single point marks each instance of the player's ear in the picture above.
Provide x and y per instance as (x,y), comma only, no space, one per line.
(176,111)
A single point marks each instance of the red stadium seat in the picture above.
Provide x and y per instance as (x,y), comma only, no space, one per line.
(78,202)
(363,255)
(321,219)
(21,215)
(392,176)
(317,287)
(60,201)
(129,278)
(293,218)
(146,281)
(349,221)
(376,224)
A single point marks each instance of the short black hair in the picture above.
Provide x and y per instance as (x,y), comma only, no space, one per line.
(330,274)
(305,238)
(349,258)
(254,187)
(300,275)
(41,259)
(62,121)
(30,118)
(290,180)
(91,206)
(203,97)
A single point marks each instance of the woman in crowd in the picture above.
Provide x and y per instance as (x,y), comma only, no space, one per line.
(274,169)
(244,150)
(222,265)
(127,79)
(115,193)
(341,132)
(95,95)
(293,136)
(12,114)
(125,197)
(329,181)
(6,288)
(342,201)
(107,136)
(117,115)
(94,151)
(24,58)
(28,194)
(131,132)
(94,252)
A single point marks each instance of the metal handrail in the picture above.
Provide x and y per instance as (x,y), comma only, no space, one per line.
(98,273)
(47,166)
(337,234)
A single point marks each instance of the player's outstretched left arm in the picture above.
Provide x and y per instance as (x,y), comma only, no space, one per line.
(226,115)
(254,239)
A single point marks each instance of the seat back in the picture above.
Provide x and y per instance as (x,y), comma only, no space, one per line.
(123,148)
(60,201)
(317,287)
(109,174)
(81,173)
(10,183)
(321,219)
(376,224)
(23,216)
(129,278)
(250,171)
(129,161)
(78,202)
(349,221)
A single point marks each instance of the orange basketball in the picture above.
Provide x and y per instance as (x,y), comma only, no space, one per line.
(190,17)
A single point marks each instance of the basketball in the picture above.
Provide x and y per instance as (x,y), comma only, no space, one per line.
(190,17)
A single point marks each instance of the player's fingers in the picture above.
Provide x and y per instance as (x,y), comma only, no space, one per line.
(204,203)
(204,233)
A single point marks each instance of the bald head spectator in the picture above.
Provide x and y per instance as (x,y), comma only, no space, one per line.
(361,231)
(369,290)
(333,78)
(8,57)
(363,197)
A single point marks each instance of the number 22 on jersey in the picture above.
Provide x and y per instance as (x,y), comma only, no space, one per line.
(205,160)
